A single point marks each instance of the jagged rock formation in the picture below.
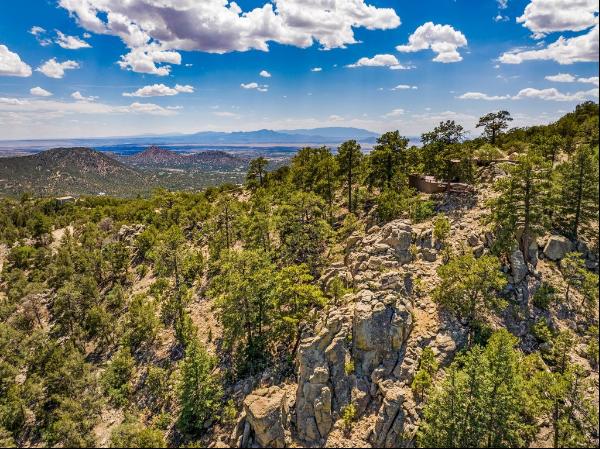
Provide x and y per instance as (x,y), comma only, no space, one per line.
(356,354)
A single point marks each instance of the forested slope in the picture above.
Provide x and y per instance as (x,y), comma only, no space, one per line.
(325,303)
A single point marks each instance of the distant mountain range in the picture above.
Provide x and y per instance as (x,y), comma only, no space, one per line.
(294,137)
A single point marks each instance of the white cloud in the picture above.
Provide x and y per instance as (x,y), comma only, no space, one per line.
(394,113)
(561,78)
(482,96)
(316,69)
(159,90)
(590,80)
(39,34)
(226,114)
(36,30)
(54,109)
(53,69)
(385,60)
(335,118)
(555,95)
(253,85)
(79,97)
(548,16)
(150,59)
(39,92)
(155,30)
(551,94)
(70,42)
(147,108)
(11,64)
(265,74)
(568,78)
(442,39)
(583,48)
(404,87)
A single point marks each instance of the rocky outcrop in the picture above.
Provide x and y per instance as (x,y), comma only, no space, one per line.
(323,384)
(358,349)
(518,267)
(264,419)
(557,247)
(381,324)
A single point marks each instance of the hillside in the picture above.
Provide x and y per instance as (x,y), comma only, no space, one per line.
(69,171)
(322,304)
(155,157)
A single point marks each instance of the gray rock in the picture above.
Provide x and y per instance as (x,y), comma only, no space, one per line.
(557,247)
(429,255)
(473,240)
(518,266)
(266,412)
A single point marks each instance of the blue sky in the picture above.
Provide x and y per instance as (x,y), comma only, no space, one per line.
(115,69)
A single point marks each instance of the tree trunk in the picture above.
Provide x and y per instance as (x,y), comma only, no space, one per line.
(579,199)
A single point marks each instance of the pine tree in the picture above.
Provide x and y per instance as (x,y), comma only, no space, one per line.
(469,287)
(520,212)
(388,162)
(200,391)
(482,401)
(350,160)
(578,191)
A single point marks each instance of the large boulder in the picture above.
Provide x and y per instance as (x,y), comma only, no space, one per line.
(557,247)
(266,412)
(518,266)
(390,419)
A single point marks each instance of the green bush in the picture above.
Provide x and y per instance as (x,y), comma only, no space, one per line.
(544,296)
(117,377)
(422,210)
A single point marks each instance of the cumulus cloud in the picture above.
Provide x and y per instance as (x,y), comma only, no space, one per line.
(394,113)
(482,96)
(11,64)
(150,59)
(70,42)
(548,16)
(555,95)
(583,48)
(255,86)
(568,78)
(442,39)
(379,61)
(54,69)
(265,74)
(155,30)
(590,80)
(561,78)
(79,97)
(39,92)
(316,69)
(159,90)
(551,94)
(54,109)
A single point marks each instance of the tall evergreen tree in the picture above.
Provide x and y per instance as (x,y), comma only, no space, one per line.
(520,211)
(350,159)
(578,191)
